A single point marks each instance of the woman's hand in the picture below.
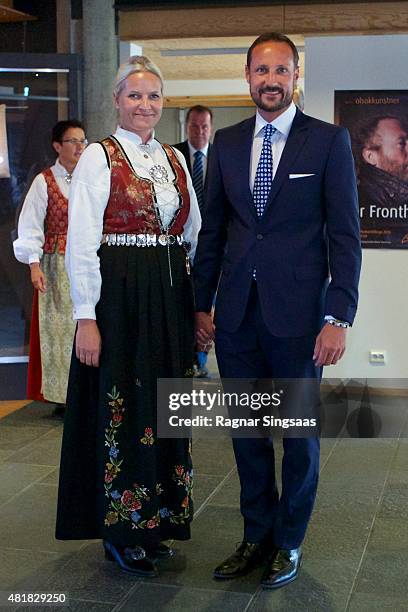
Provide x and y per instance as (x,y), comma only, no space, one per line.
(38,277)
(88,342)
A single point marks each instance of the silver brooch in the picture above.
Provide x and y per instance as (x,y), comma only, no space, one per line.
(159,174)
(68,178)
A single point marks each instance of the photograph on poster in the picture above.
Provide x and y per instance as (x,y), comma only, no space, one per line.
(378,125)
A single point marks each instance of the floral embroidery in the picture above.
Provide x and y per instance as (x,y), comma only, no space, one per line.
(124,506)
(189,373)
(128,505)
(113,466)
(148,438)
(154,522)
(133,192)
(124,214)
(183,478)
(111,518)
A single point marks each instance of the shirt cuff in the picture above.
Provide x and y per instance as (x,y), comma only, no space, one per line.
(84,312)
(33,259)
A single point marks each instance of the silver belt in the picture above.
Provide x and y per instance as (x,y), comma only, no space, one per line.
(143,240)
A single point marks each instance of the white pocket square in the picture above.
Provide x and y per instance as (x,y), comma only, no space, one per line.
(295,176)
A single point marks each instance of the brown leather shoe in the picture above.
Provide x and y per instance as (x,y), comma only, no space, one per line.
(282,568)
(247,556)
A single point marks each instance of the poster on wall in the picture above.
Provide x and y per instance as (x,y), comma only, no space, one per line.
(378,125)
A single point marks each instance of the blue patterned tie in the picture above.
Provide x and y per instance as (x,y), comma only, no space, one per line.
(198,177)
(264,171)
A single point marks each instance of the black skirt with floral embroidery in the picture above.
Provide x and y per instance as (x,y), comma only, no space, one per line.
(118,481)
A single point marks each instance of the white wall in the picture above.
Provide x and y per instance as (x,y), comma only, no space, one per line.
(366,62)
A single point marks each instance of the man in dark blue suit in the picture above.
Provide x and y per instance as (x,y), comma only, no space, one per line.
(197,150)
(280,240)
(199,123)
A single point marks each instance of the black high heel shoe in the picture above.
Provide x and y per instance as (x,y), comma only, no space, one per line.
(131,560)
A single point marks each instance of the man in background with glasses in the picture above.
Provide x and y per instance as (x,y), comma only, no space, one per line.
(42,232)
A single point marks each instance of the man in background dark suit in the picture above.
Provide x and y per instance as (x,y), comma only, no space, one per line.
(281,216)
(196,149)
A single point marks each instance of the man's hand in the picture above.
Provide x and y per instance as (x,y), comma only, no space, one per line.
(88,342)
(330,345)
(38,277)
(204,331)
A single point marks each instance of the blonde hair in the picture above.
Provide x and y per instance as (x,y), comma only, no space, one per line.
(135,63)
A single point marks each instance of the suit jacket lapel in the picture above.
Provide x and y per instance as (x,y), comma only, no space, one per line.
(187,156)
(243,160)
(293,146)
(208,162)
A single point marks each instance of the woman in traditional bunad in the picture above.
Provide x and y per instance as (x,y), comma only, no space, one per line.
(133,218)
(42,235)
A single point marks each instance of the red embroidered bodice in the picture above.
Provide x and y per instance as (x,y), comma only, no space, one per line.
(130,208)
(56,219)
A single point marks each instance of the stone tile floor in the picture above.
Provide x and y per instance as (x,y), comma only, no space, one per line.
(355,553)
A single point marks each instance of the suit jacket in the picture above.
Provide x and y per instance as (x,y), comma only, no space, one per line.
(310,228)
(183,147)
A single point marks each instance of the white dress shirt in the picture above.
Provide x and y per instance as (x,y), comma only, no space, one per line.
(28,248)
(88,199)
(283,123)
(204,151)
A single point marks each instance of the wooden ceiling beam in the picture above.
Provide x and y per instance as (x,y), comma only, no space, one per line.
(212,101)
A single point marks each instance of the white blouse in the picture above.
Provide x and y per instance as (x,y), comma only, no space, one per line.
(28,248)
(88,199)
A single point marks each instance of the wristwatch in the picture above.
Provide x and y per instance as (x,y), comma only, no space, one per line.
(337,322)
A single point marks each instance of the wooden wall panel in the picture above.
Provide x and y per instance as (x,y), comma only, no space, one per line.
(192,23)
(365,17)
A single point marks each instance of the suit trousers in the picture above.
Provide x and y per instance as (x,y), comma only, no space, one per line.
(252,352)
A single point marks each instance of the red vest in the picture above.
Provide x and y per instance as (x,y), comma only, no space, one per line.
(130,208)
(56,219)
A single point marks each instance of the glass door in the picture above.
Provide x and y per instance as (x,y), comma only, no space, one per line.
(36,91)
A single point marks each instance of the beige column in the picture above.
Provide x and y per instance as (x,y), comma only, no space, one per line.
(100,49)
